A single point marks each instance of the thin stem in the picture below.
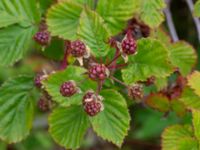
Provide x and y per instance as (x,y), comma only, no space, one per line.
(196,20)
(117,66)
(170,22)
(100,85)
(120,82)
(64,61)
(114,59)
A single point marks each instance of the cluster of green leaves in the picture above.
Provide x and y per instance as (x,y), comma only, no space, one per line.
(94,24)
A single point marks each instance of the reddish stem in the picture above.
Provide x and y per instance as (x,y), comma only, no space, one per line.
(120,82)
(117,66)
(66,54)
(100,85)
(114,59)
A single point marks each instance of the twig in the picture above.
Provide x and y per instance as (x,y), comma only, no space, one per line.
(120,82)
(196,20)
(170,22)
(64,61)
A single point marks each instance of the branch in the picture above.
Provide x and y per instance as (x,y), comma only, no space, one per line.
(170,22)
(196,20)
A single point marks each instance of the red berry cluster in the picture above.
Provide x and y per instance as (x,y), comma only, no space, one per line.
(38,81)
(129,45)
(98,72)
(92,103)
(42,37)
(136,91)
(43,104)
(68,89)
(78,48)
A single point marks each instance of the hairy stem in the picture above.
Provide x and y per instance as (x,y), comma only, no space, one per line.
(117,66)
(100,85)
(170,22)
(196,20)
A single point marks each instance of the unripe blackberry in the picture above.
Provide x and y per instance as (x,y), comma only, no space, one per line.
(92,108)
(78,48)
(129,45)
(136,91)
(68,89)
(92,103)
(42,37)
(89,96)
(98,72)
(38,81)
(43,104)
(150,81)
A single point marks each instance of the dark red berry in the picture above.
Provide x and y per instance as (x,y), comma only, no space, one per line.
(78,48)
(98,72)
(43,104)
(92,108)
(136,91)
(42,37)
(38,81)
(89,96)
(68,89)
(129,45)
(150,81)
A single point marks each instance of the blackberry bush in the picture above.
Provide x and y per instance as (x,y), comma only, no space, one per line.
(123,53)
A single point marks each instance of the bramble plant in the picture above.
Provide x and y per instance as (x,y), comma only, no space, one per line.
(114,51)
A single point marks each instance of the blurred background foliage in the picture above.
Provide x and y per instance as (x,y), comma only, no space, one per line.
(146,125)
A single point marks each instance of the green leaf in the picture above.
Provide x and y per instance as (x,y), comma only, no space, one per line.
(159,102)
(151,60)
(196,123)
(93,32)
(63,19)
(151,12)
(54,81)
(161,83)
(187,144)
(116,13)
(194,82)
(16,109)
(178,107)
(183,56)
(190,99)
(112,123)
(89,3)
(175,134)
(15,41)
(197,8)
(68,126)
(19,11)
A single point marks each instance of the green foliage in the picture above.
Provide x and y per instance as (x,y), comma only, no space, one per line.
(150,60)
(113,122)
(19,27)
(16,109)
(94,33)
(194,82)
(116,13)
(151,12)
(53,83)
(197,8)
(68,126)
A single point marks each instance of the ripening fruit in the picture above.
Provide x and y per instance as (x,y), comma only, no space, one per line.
(98,72)
(42,37)
(92,103)
(129,45)
(136,91)
(43,104)
(68,88)
(78,48)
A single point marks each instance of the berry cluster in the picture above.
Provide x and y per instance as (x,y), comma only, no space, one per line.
(98,72)
(68,88)
(43,104)
(77,48)
(136,91)
(38,79)
(92,103)
(129,45)
(42,37)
